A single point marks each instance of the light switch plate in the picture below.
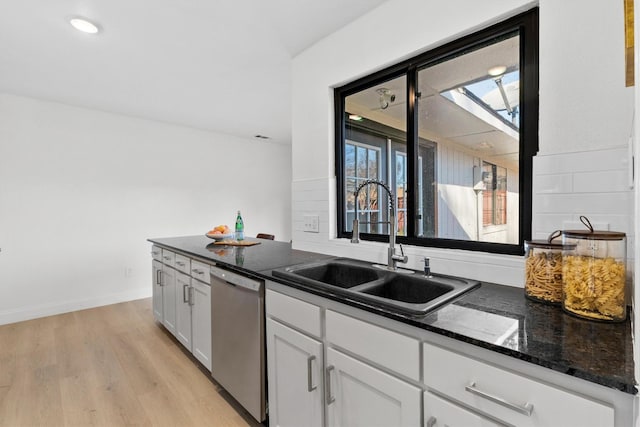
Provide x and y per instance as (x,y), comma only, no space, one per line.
(311,223)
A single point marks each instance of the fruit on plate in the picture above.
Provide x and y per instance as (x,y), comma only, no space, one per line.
(220,229)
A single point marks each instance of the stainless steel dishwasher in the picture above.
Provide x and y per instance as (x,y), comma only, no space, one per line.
(237,338)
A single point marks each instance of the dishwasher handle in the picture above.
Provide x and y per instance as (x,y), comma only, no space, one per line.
(235,279)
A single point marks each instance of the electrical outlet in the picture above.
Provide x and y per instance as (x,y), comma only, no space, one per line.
(311,223)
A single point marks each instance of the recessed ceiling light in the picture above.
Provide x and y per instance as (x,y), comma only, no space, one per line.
(496,71)
(84,25)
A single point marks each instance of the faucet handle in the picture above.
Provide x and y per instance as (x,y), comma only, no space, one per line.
(402,258)
(427,267)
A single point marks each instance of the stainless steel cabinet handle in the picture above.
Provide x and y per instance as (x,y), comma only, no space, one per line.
(310,386)
(159,277)
(180,263)
(330,399)
(197,271)
(527,409)
(191,299)
(431,421)
(185,297)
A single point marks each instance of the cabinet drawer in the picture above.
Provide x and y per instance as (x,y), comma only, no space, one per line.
(508,396)
(156,253)
(440,412)
(200,271)
(387,348)
(300,314)
(182,263)
(168,258)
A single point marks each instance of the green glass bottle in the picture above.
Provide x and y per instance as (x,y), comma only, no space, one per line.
(239,227)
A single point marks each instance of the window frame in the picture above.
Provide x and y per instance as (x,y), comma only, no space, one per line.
(527,26)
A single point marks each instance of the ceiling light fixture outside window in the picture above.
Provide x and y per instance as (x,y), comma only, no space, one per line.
(496,71)
(84,25)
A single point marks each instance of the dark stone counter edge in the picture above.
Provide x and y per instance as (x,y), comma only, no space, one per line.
(606,381)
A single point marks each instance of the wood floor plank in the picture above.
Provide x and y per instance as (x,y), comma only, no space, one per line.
(108,366)
(79,402)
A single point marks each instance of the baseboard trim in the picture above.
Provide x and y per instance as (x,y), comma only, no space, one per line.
(44,310)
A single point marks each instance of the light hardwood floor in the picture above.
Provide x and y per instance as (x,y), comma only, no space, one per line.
(107,366)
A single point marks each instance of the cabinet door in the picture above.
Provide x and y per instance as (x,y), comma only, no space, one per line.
(358,394)
(294,369)
(201,321)
(169,298)
(439,412)
(156,269)
(183,309)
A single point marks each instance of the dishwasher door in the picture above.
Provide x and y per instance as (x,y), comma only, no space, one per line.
(237,338)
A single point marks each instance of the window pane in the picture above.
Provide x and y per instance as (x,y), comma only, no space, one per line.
(373,164)
(427,187)
(361,162)
(350,160)
(375,120)
(400,190)
(468,109)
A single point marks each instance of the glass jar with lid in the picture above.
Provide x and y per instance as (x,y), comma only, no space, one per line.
(594,273)
(543,269)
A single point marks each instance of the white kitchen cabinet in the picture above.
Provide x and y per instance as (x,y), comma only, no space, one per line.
(182,300)
(201,322)
(169,298)
(182,264)
(156,275)
(193,313)
(183,309)
(357,394)
(507,396)
(443,413)
(295,367)
(396,352)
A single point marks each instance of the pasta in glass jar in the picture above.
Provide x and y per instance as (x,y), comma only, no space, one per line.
(543,269)
(594,274)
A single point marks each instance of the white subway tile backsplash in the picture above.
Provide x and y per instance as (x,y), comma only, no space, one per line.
(555,183)
(309,184)
(599,190)
(311,195)
(587,161)
(309,206)
(547,223)
(600,181)
(584,203)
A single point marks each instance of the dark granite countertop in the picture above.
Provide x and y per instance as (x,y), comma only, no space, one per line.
(495,317)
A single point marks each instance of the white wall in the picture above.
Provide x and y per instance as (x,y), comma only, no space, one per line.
(81,191)
(584,107)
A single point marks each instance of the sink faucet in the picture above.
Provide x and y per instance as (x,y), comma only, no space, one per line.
(393,258)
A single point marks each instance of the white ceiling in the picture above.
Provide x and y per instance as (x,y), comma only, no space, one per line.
(218,65)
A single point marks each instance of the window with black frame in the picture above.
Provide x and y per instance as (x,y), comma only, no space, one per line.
(452,132)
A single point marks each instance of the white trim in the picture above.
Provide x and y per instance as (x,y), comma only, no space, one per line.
(43,310)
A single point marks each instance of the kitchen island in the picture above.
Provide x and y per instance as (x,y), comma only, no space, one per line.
(494,318)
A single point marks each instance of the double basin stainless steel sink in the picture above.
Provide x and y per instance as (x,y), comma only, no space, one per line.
(413,294)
